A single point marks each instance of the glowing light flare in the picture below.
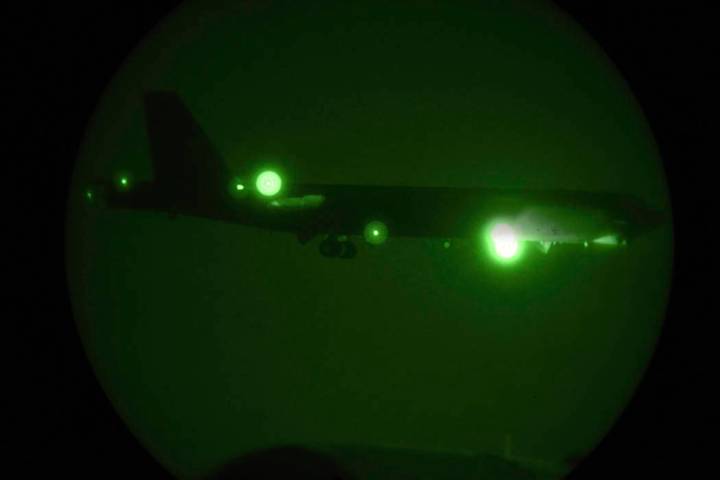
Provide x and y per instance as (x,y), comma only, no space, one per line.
(237,188)
(375,232)
(502,241)
(123,181)
(268,183)
(606,240)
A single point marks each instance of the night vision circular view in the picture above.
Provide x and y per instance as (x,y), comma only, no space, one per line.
(376,239)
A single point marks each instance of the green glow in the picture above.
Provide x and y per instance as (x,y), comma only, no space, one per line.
(375,232)
(197,329)
(89,195)
(237,187)
(306,201)
(501,242)
(123,182)
(504,240)
(446,244)
(606,240)
(268,183)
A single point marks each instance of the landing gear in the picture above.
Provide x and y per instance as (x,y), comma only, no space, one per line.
(333,247)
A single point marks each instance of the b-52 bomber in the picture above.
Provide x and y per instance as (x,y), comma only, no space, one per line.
(191,179)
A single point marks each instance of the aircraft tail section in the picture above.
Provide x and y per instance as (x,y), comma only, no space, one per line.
(186,165)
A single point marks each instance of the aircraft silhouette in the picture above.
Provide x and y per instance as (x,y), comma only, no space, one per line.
(191,179)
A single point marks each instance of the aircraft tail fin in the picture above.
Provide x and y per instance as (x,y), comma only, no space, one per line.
(186,165)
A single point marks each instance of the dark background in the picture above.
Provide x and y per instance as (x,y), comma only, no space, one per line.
(61,58)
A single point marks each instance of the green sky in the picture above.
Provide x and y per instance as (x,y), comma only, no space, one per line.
(215,339)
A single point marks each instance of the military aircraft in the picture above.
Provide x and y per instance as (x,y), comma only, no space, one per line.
(191,179)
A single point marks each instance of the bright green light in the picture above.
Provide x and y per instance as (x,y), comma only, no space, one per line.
(237,187)
(375,232)
(606,240)
(89,195)
(504,241)
(501,242)
(268,183)
(123,182)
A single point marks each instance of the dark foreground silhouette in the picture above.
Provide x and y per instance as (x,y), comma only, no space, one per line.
(361,462)
(290,462)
